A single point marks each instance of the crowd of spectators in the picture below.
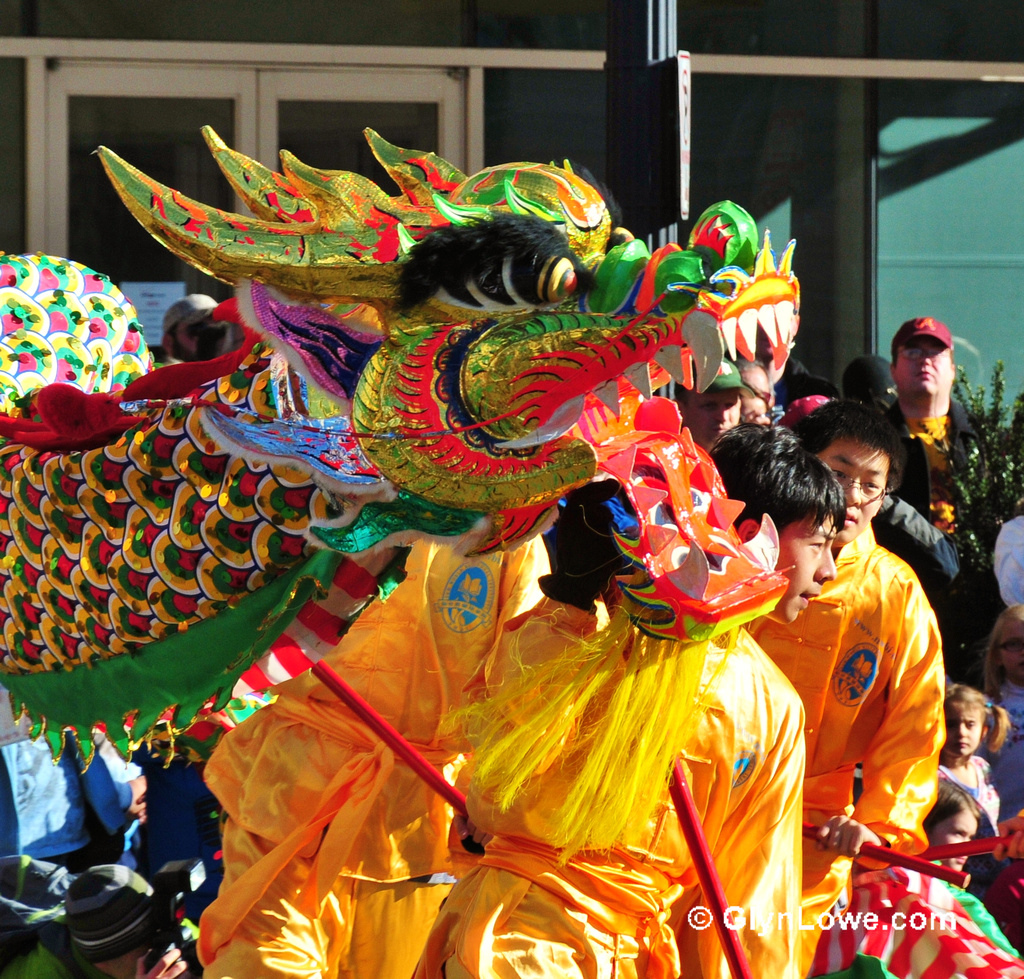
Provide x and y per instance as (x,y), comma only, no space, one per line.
(78,816)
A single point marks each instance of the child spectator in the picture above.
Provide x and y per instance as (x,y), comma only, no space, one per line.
(1004,685)
(66,812)
(970,719)
(925,927)
(866,659)
(956,818)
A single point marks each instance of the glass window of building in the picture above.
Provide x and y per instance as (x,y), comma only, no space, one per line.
(951,217)
(792,152)
(545,115)
(12,156)
(160,137)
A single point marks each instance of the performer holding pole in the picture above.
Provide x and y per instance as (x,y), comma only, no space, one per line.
(574,746)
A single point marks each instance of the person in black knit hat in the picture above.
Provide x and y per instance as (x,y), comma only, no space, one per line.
(107,930)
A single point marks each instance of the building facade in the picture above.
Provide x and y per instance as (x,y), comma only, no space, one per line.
(886,136)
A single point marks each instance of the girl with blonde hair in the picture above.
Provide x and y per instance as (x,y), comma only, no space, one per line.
(1004,685)
(972,719)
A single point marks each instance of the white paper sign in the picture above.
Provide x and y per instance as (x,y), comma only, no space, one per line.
(10,730)
(151,300)
(684,133)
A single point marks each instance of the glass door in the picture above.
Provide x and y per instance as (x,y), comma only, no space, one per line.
(320,115)
(152,115)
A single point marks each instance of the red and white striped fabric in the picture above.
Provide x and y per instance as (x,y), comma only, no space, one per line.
(318,627)
(915,926)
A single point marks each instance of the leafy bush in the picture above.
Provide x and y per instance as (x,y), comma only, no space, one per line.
(986,492)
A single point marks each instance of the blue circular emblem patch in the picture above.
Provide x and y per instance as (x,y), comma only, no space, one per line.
(854,676)
(747,759)
(743,767)
(467,598)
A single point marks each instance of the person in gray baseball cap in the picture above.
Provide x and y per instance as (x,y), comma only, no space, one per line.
(193,331)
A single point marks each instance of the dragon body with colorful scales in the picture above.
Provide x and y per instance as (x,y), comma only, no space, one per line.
(445,363)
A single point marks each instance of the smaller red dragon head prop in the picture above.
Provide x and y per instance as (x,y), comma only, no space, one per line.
(693,577)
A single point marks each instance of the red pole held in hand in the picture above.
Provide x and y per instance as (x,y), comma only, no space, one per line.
(710,884)
(970,848)
(919,863)
(390,736)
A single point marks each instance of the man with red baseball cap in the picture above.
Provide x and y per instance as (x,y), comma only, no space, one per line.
(938,437)
(935,429)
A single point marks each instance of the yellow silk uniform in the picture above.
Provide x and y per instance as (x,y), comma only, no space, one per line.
(866,659)
(623,914)
(325,829)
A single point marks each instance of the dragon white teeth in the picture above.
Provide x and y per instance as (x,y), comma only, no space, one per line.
(701,332)
(729,332)
(766,318)
(608,395)
(559,423)
(748,333)
(639,376)
(785,320)
(693,575)
(671,358)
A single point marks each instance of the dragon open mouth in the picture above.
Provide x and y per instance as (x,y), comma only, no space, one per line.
(693,575)
(584,360)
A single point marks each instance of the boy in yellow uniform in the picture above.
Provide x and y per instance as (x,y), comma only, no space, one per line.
(559,897)
(866,659)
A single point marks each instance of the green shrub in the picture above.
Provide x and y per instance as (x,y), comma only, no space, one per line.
(986,491)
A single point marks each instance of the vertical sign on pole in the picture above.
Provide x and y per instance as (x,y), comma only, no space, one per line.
(684,133)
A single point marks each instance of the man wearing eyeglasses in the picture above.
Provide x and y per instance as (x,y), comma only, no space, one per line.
(866,658)
(935,430)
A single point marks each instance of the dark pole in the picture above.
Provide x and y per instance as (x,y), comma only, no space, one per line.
(871,189)
(643,126)
(30,18)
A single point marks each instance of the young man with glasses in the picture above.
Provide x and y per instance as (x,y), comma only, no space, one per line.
(866,658)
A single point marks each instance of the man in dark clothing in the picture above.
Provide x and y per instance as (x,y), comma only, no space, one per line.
(105,932)
(938,437)
(935,429)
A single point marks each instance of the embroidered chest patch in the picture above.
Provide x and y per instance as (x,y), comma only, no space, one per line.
(468,598)
(855,675)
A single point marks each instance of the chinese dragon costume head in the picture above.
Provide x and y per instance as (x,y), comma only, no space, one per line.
(446,362)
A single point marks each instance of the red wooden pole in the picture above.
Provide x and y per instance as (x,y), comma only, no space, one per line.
(970,848)
(711,885)
(919,863)
(390,736)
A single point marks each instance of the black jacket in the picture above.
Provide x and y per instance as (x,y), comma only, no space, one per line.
(916,487)
(929,551)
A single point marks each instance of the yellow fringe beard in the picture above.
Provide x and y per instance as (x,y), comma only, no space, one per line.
(611,715)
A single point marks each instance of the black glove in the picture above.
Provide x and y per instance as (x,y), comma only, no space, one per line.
(586,556)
